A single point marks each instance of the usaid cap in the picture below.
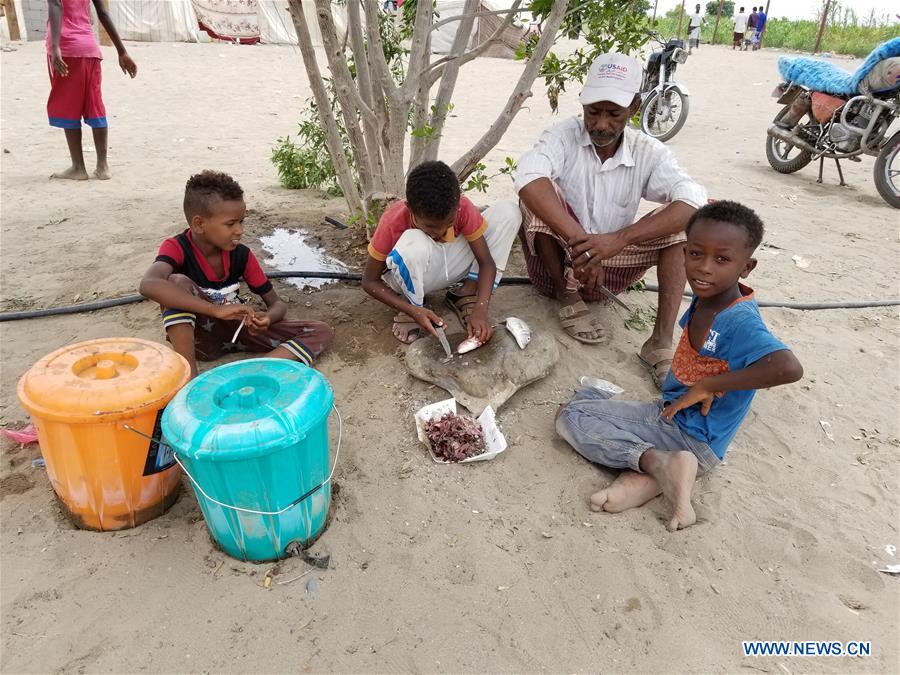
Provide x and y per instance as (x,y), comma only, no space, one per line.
(612,77)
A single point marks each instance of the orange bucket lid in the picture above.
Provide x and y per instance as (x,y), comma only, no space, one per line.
(102,380)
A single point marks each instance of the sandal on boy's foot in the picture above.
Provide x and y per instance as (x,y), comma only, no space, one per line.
(462,306)
(405,329)
(658,362)
(576,320)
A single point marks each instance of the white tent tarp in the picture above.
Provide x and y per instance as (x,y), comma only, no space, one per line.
(442,38)
(147,21)
(276,27)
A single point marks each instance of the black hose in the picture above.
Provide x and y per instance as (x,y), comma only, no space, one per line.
(355,276)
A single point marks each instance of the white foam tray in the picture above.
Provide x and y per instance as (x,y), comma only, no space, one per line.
(494,440)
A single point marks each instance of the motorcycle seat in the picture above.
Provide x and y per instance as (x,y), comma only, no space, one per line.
(826,77)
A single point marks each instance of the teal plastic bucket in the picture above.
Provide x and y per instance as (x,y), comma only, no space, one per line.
(253,438)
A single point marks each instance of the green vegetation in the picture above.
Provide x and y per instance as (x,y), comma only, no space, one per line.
(845,31)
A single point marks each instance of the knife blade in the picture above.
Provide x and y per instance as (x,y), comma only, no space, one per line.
(442,338)
(609,294)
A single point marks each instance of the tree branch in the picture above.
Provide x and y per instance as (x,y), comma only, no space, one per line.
(332,135)
(448,81)
(478,50)
(460,17)
(419,55)
(466,164)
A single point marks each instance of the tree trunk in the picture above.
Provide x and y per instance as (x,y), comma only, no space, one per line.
(348,97)
(332,135)
(394,124)
(371,124)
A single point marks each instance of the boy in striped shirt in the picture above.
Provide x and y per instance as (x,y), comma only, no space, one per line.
(196,280)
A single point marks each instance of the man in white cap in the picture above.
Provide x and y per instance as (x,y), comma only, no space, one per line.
(580,187)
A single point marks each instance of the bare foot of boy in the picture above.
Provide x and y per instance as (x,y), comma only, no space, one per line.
(675,472)
(628,491)
(72,173)
(102,172)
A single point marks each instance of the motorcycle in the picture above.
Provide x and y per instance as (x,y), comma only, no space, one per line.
(664,102)
(829,113)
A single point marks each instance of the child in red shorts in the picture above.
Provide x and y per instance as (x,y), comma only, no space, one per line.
(196,280)
(73,59)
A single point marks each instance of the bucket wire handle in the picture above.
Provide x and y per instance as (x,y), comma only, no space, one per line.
(294,503)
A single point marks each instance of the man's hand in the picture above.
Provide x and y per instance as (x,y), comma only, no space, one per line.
(258,323)
(59,66)
(699,393)
(478,326)
(591,277)
(127,64)
(426,319)
(592,249)
(233,312)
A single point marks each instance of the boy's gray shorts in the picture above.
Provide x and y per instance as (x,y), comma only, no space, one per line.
(617,433)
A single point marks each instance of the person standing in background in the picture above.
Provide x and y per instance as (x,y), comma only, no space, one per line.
(750,34)
(740,25)
(760,27)
(694,34)
(73,59)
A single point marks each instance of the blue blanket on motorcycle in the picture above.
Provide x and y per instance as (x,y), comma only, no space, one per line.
(831,79)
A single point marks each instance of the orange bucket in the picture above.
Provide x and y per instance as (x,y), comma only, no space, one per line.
(96,406)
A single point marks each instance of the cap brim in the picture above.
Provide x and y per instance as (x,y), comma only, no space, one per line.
(595,94)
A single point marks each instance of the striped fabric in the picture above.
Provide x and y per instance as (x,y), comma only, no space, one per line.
(173,317)
(300,352)
(604,196)
(619,272)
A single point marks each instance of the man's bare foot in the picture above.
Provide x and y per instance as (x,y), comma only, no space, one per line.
(72,173)
(675,472)
(102,172)
(631,489)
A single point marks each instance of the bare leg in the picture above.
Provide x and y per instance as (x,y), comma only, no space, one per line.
(101,136)
(670,272)
(551,255)
(675,472)
(77,170)
(629,490)
(181,335)
(281,353)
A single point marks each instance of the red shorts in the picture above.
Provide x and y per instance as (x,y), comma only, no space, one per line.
(77,95)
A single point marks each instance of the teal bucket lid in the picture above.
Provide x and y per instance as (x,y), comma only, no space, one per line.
(246,408)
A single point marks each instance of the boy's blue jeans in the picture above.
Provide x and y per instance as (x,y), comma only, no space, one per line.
(616,433)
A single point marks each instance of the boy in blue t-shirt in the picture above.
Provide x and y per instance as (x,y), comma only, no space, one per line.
(725,354)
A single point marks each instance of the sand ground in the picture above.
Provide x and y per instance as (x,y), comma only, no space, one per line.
(488,567)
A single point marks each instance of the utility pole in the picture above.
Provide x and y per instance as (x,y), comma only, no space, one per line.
(655,3)
(718,16)
(680,17)
(763,34)
(822,26)
(12,20)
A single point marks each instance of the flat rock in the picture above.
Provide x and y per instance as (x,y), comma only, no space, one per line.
(491,374)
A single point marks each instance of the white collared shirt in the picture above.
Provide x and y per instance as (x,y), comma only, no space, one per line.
(605,195)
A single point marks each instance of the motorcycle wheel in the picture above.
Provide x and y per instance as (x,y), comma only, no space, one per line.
(663,127)
(779,153)
(887,172)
